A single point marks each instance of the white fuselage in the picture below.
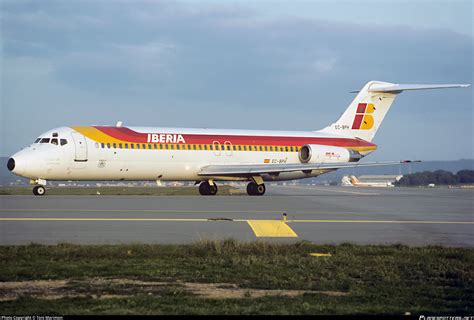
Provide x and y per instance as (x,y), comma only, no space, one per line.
(106,153)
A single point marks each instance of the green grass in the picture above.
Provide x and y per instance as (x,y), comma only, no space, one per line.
(375,279)
(107,191)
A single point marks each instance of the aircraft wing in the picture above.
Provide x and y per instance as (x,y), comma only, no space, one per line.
(248,170)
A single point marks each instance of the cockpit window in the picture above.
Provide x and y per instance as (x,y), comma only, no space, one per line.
(63,142)
(54,141)
(37,140)
(44,140)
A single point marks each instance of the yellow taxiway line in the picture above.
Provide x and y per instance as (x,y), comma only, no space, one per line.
(234,220)
(261,228)
(381,221)
(104,219)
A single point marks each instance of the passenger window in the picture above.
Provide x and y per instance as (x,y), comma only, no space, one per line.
(149,146)
(144,146)
(266,148)
(194,147)
(54,141)
(138,146)
(286,149)
(205,147)
(44,140)
(126,146)
(261,148)
(211,147)
(108,145)
(172,147)
(102,145)
(132,146)
(166,147)
(155,146)
(115,145)
(161,146)
(97,145)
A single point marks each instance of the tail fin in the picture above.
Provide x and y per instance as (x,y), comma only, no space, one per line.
(365,114)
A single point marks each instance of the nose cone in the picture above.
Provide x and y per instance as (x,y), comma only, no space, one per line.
(11,164)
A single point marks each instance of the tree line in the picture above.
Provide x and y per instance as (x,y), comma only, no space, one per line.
(439,177)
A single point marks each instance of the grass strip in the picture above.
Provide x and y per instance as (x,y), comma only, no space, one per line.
(254,278)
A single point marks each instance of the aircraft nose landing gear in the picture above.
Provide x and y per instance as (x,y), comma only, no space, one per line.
(207,189)
(39,190)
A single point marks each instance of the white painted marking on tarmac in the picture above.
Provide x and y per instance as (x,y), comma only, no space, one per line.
(339,191)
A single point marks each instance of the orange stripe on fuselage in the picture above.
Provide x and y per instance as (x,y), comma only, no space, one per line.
(95,135)
(98,134)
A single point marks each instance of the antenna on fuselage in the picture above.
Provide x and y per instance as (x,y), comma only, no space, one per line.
(119,124)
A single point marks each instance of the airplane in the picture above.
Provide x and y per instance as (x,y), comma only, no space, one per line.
(354,181)
(209,155)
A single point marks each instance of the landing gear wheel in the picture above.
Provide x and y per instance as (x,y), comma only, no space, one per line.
(39,191)
(206,189)
(254,189)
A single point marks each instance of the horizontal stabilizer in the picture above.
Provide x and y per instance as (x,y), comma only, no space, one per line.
(397,88)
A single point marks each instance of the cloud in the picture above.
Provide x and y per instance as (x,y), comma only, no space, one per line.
(102,56)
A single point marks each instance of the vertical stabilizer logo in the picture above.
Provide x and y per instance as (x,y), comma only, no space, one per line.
(364,120)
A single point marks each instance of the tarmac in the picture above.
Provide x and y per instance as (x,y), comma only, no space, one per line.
(325,215)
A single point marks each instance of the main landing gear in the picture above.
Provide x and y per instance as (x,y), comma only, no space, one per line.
(254,189)
(39,191)
(207,189)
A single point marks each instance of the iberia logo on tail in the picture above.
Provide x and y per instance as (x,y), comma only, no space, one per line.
(364,120)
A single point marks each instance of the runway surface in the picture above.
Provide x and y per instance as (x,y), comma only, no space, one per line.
(412,216)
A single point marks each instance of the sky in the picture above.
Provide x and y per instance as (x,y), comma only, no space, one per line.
(284,65)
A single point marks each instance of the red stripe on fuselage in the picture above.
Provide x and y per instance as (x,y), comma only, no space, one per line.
(127,135)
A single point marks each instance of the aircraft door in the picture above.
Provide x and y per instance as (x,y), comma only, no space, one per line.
(80,145)
(228,148)
(217,148)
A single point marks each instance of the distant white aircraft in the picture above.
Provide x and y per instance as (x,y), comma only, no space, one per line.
(354,181)
(209,155)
